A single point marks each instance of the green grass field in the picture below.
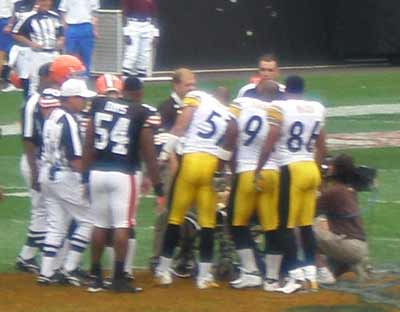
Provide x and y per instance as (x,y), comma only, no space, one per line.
(380,215)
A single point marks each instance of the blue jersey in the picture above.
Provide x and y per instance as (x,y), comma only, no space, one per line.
(117,125)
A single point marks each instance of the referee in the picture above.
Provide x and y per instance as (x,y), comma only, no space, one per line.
(80,29)
(43,33)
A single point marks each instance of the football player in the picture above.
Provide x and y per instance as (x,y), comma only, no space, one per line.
(200,129)
(120,130)
(297,132)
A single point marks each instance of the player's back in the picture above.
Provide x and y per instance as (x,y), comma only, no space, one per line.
(57,150)
(208,124)
(253,128)
(117,125)
(302,123)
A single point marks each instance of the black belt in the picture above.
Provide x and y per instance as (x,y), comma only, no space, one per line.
(45,50)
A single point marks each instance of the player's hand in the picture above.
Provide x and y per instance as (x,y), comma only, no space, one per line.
(127,40)
(35,183)
(36,46)
(7,29)
(160,205)
(257,181)
(146,186)
(219,182)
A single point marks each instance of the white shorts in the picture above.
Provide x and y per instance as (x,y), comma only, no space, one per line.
(114,197)
(20,58)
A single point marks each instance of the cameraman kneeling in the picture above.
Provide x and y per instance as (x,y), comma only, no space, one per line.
(340,235)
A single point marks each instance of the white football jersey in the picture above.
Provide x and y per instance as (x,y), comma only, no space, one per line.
(301,122)
(208,124)
(61,140)
(253,129)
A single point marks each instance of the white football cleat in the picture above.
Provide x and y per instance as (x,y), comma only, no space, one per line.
(163,278)
(206,282)
(290,287)
(271,285)
(247,280)
(325,276)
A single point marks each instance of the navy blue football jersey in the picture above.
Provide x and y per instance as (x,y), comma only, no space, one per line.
(117,124)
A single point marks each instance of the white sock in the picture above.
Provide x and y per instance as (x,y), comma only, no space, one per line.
(204,269)
(310,272)
(247,260)
(164,265)
(273,264)
(130,255)
(61,255)
(28,252)
(72,261)
(47,267)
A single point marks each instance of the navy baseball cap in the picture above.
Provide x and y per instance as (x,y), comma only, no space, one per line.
(133,84)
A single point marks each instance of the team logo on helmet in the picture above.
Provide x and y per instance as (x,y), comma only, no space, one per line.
(108,83)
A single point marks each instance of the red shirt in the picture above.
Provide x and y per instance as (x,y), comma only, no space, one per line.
(139,8)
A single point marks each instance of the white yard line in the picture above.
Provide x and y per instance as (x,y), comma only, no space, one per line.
(341,111)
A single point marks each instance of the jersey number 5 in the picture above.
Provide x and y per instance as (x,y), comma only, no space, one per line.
(118,134)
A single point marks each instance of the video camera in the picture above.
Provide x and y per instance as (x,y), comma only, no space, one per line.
(364,178)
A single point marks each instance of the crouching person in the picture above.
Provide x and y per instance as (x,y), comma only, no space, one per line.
(339,232)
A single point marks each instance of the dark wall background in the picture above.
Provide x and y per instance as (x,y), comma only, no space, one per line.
(229,32)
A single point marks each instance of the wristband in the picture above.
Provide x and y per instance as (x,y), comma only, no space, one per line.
(158,189)
(224,154)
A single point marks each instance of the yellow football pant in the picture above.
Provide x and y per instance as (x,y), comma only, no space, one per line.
(264,201)
(299,184)
(193,186)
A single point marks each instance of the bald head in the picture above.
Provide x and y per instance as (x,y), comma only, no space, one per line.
(267,90)
(183,81)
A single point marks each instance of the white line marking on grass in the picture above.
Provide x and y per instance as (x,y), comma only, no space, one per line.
(360,110)
(386,239)
(17,194)
(341,111)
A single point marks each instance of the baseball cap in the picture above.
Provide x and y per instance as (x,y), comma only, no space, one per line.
(49,98)
(133,84)
(76,87)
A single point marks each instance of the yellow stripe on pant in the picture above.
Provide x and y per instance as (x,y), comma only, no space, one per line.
(193,185)
(264,202)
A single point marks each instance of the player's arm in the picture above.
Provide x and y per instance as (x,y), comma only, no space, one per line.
(28,136)
(30,150)
(21,34)
(320,145)
(275,119)
(181,124)
(87,155)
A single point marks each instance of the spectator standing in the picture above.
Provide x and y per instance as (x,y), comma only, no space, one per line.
(43,33)
(139,34)
(79,20)
(6,41)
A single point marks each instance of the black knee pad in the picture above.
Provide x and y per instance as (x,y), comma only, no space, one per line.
(241,236)
(132,233)
(171,238)
(206,244)
(309,244)
(273,242)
